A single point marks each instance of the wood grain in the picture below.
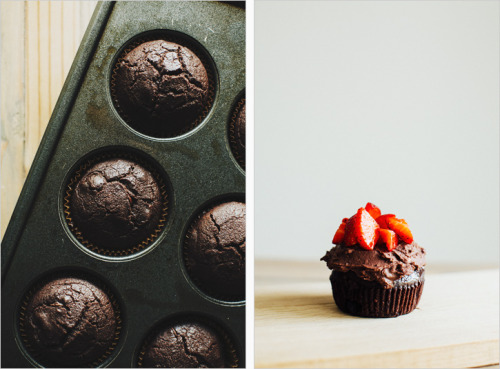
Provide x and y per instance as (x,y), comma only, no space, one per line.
(12,104)
(32,45)
(455,325)
(39,41)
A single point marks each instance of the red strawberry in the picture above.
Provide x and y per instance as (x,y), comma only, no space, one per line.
(401,228)
(366,229)
(382,220)
(345,220)
(389,237)
(350,237)
(373,210)
(339,235)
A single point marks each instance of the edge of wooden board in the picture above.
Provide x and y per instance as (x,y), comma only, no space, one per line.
(454,356)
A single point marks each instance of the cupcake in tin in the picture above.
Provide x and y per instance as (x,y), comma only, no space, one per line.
(161,88)
(237,129)
(377,267)
(69,322)
(188,344)
(214,251)
(116,206)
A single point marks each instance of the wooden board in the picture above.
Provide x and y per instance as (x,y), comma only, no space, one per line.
(455,325)
(39,40)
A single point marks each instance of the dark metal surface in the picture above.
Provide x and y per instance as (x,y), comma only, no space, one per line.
(151,285)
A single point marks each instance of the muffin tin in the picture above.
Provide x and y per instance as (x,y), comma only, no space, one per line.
(198,168)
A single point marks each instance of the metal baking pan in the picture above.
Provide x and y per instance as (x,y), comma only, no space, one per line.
(151,285)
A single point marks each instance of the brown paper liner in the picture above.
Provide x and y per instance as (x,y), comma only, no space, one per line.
(101,249)
(232,134)
(159,35)
(368,299)
(230,354)
(40,357)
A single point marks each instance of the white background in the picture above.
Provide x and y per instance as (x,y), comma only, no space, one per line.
(393,102)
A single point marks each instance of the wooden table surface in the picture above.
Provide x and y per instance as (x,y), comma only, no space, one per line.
(297,323)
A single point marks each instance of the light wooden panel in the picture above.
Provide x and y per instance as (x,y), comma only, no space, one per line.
(456,325)
(12,104)
(39,42)
(33,109)
(44,79)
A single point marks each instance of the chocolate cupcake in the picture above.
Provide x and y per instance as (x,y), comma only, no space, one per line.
(377,268)
(161,88)
(116,205)
(237,128)
(214,251)
(69,322)
(187,345)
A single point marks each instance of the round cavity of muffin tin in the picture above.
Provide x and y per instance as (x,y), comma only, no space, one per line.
(237,152)
(182,40)
(195,283)
(230,350)
(36,358)
(109,153)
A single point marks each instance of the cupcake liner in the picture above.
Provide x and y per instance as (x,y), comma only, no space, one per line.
(101,249)
(232,134)
(230,354)
(200,283)
(40,357)
(167,36)
(357,297)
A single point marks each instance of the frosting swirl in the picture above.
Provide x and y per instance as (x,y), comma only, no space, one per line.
(379,265)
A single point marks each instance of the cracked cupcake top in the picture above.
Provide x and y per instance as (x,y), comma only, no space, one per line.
(214,251)
(161,87)
(70,322)
(185,345)
(116,204)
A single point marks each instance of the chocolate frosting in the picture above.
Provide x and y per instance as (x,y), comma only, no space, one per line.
(378,265)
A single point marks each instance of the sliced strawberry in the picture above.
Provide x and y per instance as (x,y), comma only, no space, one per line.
(389,237)
(366,229)
(350,237)
(382,220)
(380,241)
(339,235)
(401,228)
(373,210)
